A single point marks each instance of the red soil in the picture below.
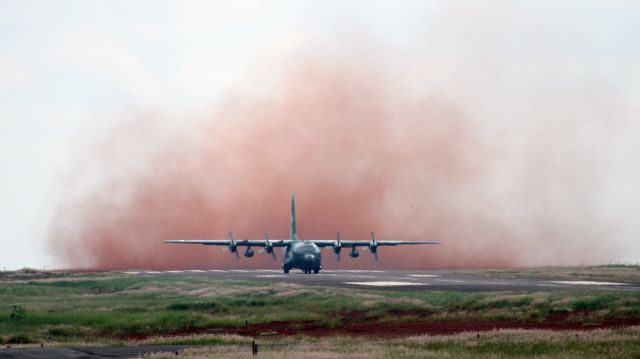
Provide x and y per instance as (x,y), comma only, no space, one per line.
(356,324)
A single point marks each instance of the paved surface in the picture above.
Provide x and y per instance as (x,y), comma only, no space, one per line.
(402,280)
(88,352)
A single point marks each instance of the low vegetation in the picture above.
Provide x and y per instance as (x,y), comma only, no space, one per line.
(615,343)
(117,308)
(608,272)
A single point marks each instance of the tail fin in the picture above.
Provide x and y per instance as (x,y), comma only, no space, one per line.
(294,233)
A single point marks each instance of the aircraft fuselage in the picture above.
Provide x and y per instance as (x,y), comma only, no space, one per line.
(303,255)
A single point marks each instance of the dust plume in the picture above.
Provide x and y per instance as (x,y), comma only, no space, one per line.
(362,151)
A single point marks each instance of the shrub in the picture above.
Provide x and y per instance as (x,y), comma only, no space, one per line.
(20,339)
(58,332)
(198,306)
(17,313)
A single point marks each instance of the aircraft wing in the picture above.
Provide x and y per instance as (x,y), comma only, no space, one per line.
(346,243)
(228,242)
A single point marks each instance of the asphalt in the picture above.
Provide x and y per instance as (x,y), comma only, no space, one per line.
(89,352)
(402,280)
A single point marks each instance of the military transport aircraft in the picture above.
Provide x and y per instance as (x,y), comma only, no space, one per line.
(301,254)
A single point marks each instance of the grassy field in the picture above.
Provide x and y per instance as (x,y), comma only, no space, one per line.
(610,343)
(609,272)
(113,308)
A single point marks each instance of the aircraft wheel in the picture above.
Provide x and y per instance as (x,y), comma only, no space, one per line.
(315,271)
(286,270)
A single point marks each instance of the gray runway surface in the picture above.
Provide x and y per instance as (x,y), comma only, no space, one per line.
(403,280)
(88,352)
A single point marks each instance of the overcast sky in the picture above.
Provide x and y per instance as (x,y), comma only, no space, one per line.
(70,69)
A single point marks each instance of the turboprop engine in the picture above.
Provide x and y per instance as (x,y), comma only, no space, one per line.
(337,247)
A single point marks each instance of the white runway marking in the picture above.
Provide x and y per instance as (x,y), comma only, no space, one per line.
(131,273)
(196,271)
(238,270)
(268,270)
(585,282)
(450,280)
(152,272)
(385,284)
(270,276)
(217,271)
(173,271)
(424,275)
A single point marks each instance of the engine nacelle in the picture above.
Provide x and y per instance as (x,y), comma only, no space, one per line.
(354,253)
(248,253)
(373,248)
(233,248)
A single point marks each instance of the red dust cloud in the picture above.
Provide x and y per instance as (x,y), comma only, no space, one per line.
(359,155)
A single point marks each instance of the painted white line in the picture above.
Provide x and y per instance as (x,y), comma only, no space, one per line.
(450,280)
(270,276)
(268,270)
(585,282)
(152,272)
(361,271)
(196,271)
(423,275)
(172,271)
(136,273)
(238,270)
(385,284)
(217,271)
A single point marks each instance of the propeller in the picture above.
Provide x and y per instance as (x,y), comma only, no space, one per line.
(268,247)
(373,246)
(233,246)
(337,246)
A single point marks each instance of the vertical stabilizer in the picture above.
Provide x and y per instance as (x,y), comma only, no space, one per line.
(294,233)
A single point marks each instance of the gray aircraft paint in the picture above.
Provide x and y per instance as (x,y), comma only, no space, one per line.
(301,254)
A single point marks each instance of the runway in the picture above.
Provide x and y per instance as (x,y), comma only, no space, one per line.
(402,280)
(91,352)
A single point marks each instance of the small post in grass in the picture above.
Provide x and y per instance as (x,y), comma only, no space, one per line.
(254,348)
(246,325)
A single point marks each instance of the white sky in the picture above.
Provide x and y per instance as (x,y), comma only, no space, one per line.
(70,68)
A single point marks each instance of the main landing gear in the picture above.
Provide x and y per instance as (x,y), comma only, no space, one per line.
(305,271)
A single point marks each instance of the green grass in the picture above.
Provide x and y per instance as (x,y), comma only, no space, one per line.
(94,307)
(608,272)
(616,343)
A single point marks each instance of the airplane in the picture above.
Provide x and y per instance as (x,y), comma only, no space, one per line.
(301,254)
